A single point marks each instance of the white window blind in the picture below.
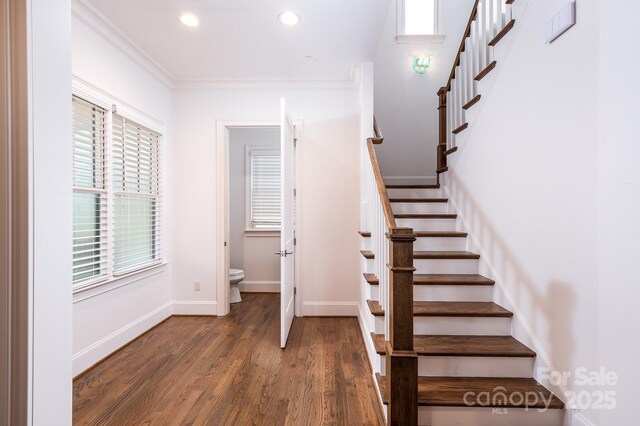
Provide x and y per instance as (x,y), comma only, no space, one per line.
(137,204)
(265,187)
(89,193)
(420,17)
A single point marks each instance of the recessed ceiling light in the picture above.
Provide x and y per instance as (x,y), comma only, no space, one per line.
(289,18)
(189,19)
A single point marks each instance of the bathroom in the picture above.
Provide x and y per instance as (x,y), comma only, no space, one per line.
(254,210)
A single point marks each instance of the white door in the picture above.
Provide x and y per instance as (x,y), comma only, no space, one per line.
(287,235)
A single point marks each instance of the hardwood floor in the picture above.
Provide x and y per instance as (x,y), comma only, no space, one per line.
(231,371)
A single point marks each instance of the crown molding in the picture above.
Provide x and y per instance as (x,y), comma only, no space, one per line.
(300,84)
(102,26)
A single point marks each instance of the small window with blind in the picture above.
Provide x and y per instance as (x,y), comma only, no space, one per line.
(89,193)
(136,187)
(264,189)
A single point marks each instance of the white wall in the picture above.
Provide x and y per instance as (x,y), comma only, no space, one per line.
(107,320)
(50,184)
(526,184)
(406,102)
(619,209)
(328,185)
(251,251)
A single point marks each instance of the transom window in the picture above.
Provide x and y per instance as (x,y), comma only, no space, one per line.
(418,20)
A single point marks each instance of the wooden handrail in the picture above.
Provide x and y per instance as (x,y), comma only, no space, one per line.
(382,189)
(467,31)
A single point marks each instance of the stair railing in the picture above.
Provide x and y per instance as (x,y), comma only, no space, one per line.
(393,265)
(490,20)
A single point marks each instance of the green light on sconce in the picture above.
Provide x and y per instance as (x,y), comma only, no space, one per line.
(421,64)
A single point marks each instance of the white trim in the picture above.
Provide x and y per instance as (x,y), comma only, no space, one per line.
(92,354)
(260,286)
(102,26)
(194,307)
(94,94)
(347,84)
(578,419)
(371,353)
(261,233)
(330,309)
(87,292)
(420,39)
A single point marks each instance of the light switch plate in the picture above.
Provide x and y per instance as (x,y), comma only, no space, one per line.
(561,22)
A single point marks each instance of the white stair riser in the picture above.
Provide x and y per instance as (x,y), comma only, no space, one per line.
(427,224)
(481,416)
(452,293)
(419,208)
(369,264)
(452,366)
(462,326)
(379,326)
(414,193)
(365,243)
(440,244)
(375,292)
(446,266)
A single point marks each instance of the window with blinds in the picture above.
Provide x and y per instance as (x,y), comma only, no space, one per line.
(89,193)
(265,187)
(136,187)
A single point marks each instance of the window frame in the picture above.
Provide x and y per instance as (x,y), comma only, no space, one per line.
(249,228)
(111,105)
(403,38)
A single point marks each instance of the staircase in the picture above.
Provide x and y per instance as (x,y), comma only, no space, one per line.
(441,348)
(462,338)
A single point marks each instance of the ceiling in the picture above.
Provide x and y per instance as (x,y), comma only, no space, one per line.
(243,40)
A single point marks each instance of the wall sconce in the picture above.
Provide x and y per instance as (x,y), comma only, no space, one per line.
(421,64)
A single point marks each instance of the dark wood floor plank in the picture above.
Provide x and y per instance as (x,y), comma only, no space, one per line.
(231,370)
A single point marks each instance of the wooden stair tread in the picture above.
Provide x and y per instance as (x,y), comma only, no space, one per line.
(451,391)
(371,278)
(367,254)
(449,309)
(485,71)
(472,102)
(445,255)
(418,200)
(440,234)
(451,279)
(502,33)
(375,308)
(468,346)
(460,128)
(365,234)
(426,216)
(442,170)
(451,150)
(413,186)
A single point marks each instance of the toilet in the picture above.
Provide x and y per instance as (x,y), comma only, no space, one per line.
(235,277)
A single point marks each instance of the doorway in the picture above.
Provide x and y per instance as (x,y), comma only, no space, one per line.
(259,229)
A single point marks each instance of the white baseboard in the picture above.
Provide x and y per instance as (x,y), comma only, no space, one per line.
(578,419)
(114,341)
(330,309)
(195,307)
(260,286)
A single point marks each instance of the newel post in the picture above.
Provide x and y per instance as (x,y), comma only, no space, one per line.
(442,135)
(402,360)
